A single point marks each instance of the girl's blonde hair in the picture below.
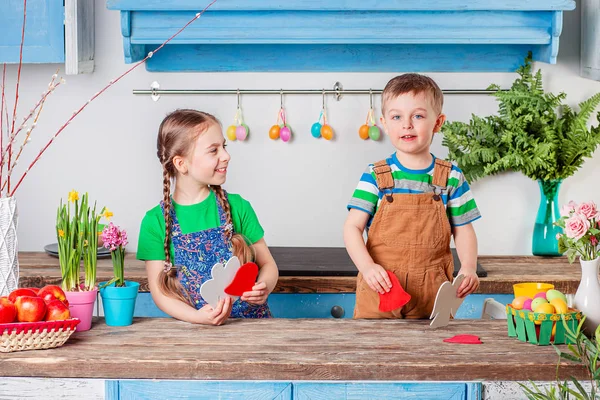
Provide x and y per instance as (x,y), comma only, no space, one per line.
(176,136)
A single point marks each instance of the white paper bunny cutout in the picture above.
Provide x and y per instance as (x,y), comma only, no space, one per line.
(221,276)
(446,303)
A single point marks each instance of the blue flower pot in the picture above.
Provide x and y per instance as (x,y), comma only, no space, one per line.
(119,302)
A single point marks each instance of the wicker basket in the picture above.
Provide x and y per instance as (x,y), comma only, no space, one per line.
(522,325)
(20,336)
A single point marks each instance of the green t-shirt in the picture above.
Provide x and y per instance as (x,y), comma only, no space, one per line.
(194,218)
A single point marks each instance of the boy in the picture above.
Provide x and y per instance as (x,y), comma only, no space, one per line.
(411,203)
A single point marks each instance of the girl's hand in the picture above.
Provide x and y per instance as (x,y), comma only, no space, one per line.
(469,284)
(217,315)
(258,295)
(377,278)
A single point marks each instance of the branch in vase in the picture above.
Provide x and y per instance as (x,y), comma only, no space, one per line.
(111,83)
(18,80)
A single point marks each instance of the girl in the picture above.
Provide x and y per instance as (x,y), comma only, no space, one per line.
(200,225)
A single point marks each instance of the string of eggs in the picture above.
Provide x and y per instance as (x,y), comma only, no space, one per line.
(281,130)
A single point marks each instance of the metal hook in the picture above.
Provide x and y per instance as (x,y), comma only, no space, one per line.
(281,98)
(323,98)
(371,98)
(238,97)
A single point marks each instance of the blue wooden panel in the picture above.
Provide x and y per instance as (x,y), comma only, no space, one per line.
(309,305)
(361,5)
(318,305)
(472,307)
(201,390)
(387,390)
(44,31)
(474,391)
(342,35)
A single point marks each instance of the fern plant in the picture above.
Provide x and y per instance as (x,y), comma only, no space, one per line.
(533,133)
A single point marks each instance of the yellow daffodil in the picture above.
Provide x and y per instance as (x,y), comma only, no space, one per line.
(73,196)
(61,233)
(107,214)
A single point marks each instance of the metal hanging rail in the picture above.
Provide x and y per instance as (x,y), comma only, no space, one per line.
(338,91)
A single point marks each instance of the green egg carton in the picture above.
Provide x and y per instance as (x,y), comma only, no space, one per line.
(521,324)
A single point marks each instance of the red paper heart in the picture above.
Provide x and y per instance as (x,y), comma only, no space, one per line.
(395,298)
(244,280)
(464,339)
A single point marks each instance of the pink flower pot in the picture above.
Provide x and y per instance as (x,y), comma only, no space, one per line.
(81,305)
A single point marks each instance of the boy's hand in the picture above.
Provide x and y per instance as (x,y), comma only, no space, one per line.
(469,284)
(258,295)
(377,278)
(217,315)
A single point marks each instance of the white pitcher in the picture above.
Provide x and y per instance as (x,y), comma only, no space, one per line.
(587,298)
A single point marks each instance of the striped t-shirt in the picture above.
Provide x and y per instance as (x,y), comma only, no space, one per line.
(458,199)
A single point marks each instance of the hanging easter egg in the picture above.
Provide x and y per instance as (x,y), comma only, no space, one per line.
(274,132)
(327,132)
(374,132)
(231,132)
(363,132)
(241,132)
(285,133)
(315,130)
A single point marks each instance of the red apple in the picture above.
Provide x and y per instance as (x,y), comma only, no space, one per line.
(57,311)
(33,289)
(52,292)
(20,292)
(8,311)
(30,309)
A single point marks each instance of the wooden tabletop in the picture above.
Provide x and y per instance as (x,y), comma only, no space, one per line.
(38,269)
(288,349)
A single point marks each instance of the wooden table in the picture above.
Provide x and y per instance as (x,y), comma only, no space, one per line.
(39,269)
(285,349)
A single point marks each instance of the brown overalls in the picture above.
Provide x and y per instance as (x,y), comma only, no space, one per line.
(410,236)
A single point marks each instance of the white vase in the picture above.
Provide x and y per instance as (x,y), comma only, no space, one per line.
(587,298)
(9,261)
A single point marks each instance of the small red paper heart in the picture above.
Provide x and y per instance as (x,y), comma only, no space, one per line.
(464,339)
(244,280)
(395,298)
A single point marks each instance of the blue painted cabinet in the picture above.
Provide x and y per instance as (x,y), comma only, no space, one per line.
(387,391)
(44,31)
(200,390)
(342,35)
(297,390)
(324,305)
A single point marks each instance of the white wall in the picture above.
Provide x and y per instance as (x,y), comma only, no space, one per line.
(299,189)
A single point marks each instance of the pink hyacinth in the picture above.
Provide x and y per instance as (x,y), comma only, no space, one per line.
(113,237)
(589,210)
(567,209)
(576,226)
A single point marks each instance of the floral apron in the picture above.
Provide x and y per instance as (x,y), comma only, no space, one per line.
(195,255)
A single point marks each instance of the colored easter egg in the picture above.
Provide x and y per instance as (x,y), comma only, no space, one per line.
(559,305)
(540,294)
(274,132)
(241,132)
(327,132)
(285,133)
(527,304)
(374,132)
(315,130)
(555,294)
(231,132)
(536,302)
(545,308)
(518,302)
(363,132)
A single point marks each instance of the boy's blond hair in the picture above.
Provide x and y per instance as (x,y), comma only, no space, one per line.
(415,84)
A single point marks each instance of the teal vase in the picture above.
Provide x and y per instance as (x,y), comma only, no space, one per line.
(544,232)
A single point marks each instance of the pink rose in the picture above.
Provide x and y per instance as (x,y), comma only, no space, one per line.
(567,209)
(589,210)
(576,226)
(593,241)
